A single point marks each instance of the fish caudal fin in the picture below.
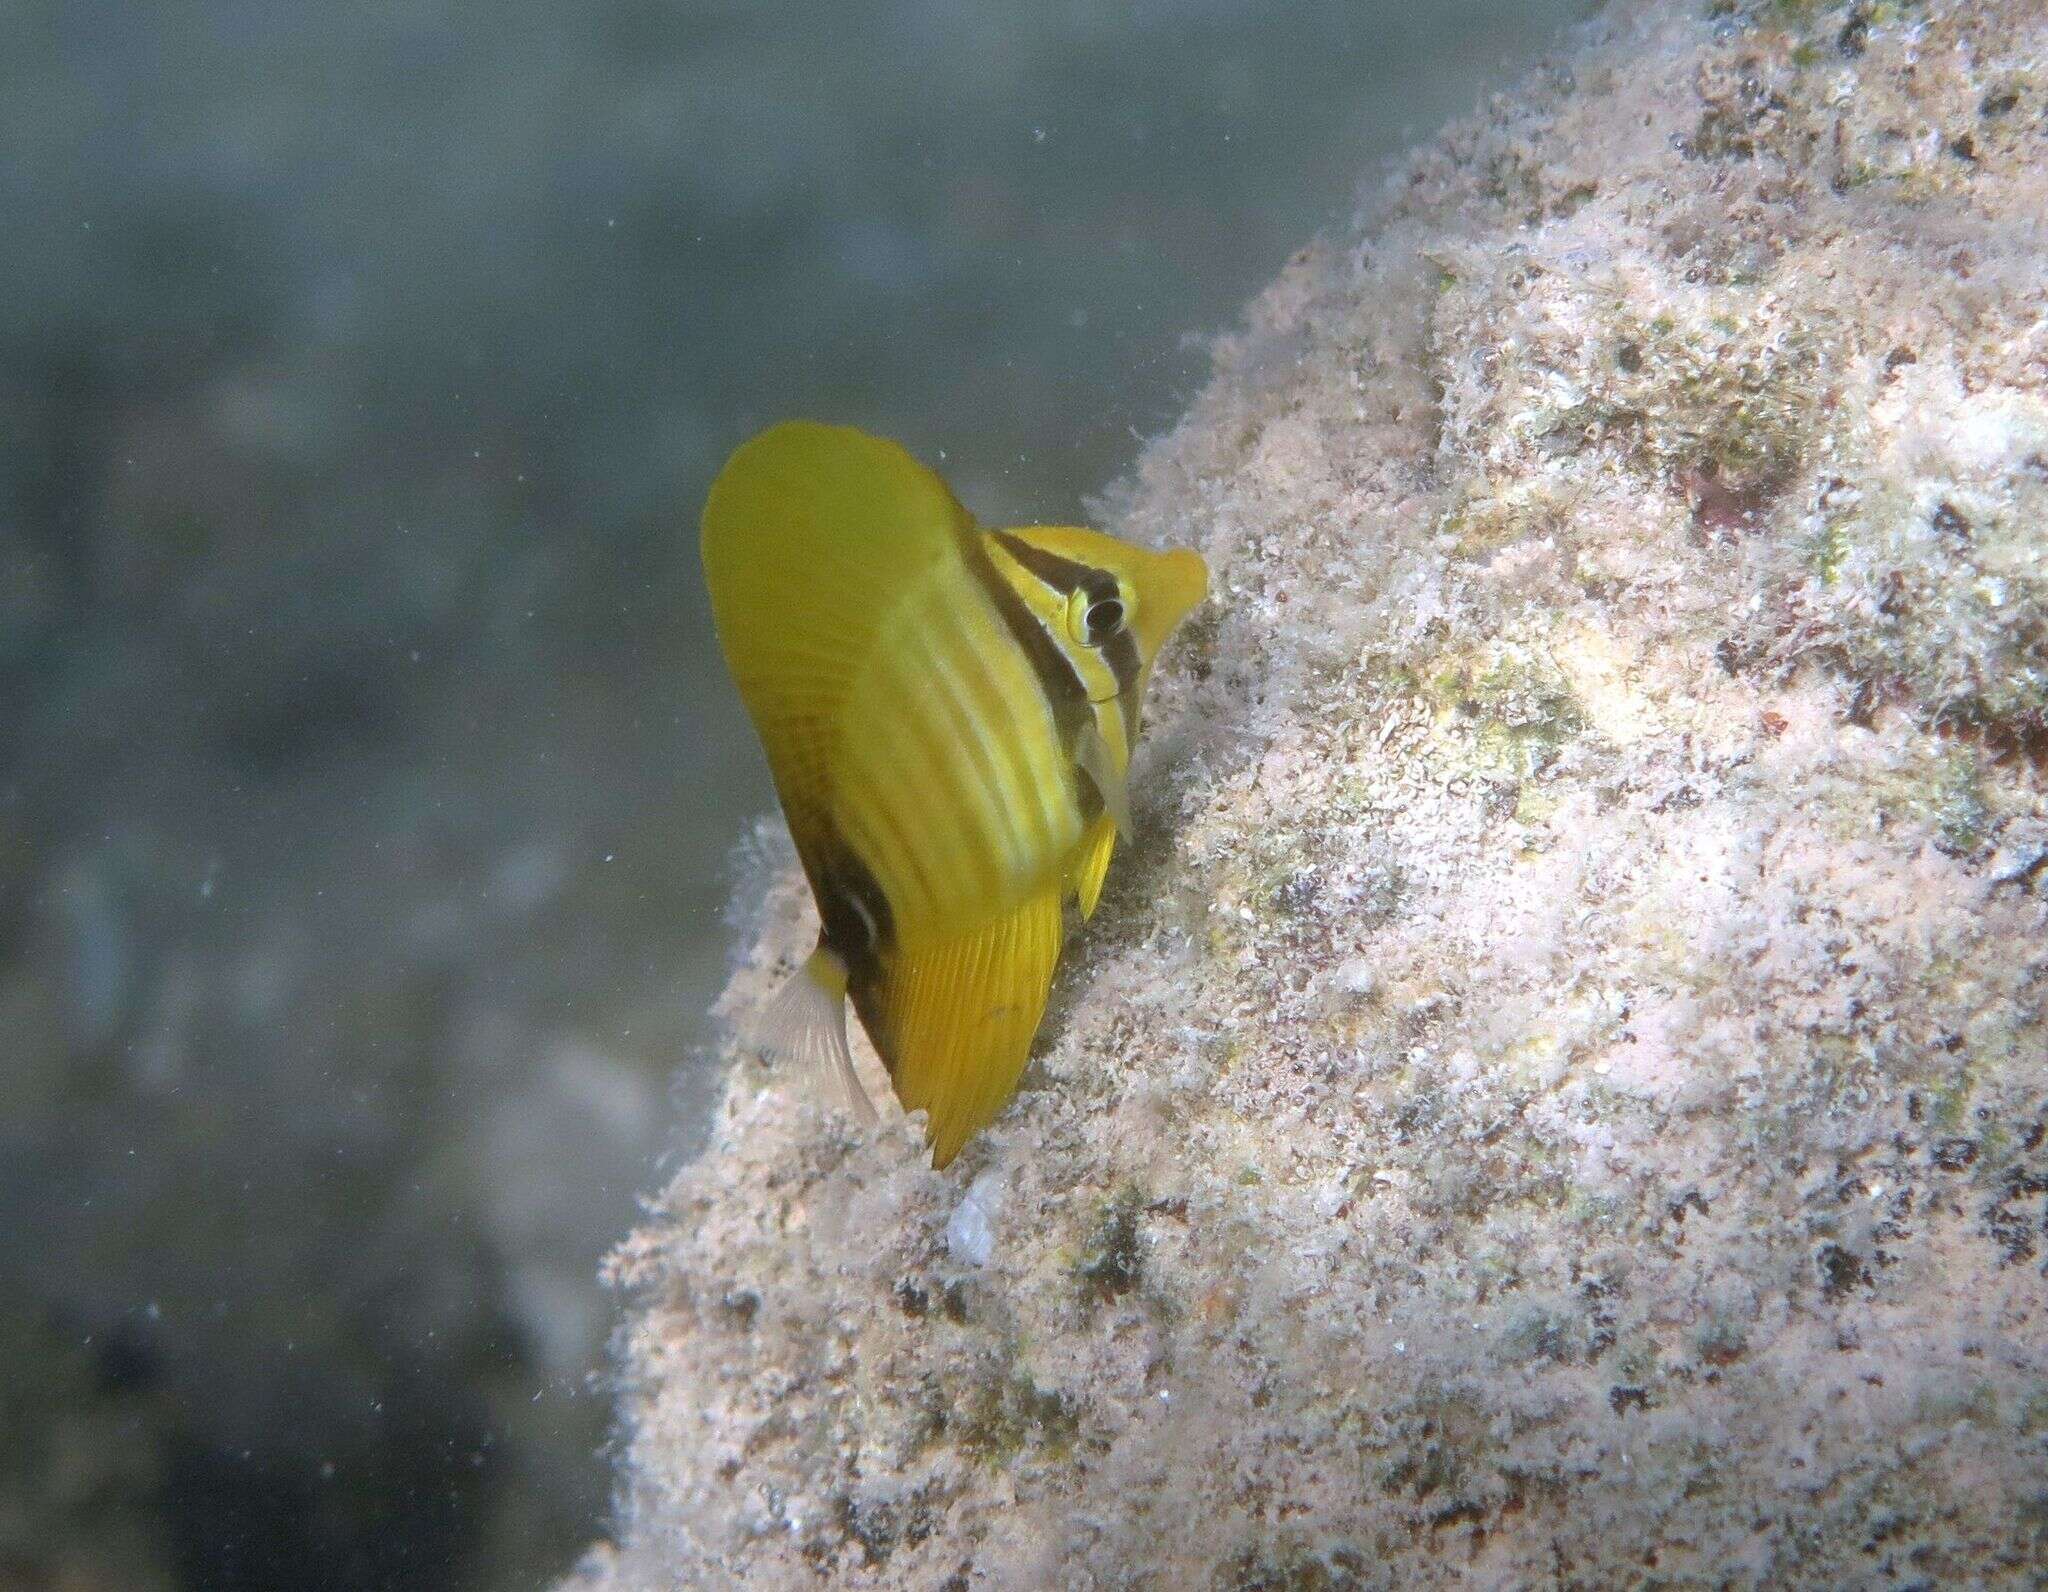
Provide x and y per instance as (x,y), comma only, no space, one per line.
(954,1018)
(806,1024)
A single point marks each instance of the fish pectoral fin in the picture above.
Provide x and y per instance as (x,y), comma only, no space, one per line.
(806,1024)
(1091,864)
(954,1017)
(1092,756)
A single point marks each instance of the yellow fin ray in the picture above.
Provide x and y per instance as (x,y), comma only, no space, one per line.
(1091,864)
(954,1017)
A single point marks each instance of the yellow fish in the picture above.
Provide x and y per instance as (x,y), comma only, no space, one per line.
(948,712)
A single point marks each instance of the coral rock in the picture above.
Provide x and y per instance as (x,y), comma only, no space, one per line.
(1558,1089)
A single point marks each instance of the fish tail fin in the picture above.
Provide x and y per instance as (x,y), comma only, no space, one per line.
(806,1024)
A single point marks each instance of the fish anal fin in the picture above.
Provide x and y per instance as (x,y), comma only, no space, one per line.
(805,1025)
(1091,864)
(954,1016)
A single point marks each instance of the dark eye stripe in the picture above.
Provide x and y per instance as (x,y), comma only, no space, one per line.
(1120,651)
(1064,689)
(1063,575)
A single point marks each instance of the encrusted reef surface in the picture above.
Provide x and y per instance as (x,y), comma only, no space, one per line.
(1557,1093)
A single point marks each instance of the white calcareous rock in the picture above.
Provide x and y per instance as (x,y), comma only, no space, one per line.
(1557,1091)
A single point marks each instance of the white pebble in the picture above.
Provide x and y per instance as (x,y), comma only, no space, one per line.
(970,1230)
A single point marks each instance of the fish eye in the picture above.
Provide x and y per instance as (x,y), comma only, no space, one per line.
(1104,619)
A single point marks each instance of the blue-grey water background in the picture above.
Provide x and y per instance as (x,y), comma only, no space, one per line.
(368,779)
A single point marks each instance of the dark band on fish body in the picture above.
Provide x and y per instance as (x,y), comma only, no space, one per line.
(859,927)
(1089,800)
(1065,690)
(1068,575)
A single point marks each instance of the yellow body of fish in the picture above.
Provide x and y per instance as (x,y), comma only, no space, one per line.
(948,712)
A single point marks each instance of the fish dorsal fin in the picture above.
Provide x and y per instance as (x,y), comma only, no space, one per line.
(954,1017)
(1091,864)
(811,535)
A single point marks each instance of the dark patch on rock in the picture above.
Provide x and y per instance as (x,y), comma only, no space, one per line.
(1840,1271)
(1115,1261)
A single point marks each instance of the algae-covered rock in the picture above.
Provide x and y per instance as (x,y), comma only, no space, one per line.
(1557,1092)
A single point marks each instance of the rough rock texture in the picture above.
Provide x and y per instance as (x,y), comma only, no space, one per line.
(1558,1091)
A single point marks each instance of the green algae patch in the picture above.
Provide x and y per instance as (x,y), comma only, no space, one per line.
(1004,1416)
